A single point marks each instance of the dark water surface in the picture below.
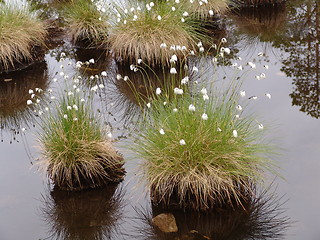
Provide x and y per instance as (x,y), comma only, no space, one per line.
(289,38)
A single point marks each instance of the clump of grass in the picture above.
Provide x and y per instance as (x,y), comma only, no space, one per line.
(86,24)
(207,8)
(21,31)
(149,31)
(198,153)
(75,148)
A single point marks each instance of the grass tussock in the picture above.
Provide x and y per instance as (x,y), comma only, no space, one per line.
(75,147)
(138,34)
(86,24)
(207,8)
(198,153)
(20,32)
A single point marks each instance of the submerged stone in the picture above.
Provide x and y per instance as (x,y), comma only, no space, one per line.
(166,222)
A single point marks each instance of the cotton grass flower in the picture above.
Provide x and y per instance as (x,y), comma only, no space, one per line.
(178,91)
(158,91)
(239,108)
(195,69)
(182,142)
(173,70)
(184,80)
(268,95)
(192,108)
(163,45)
(204,91)
(161,131)
(235,133)
(205,97)
(204,116)
(252,65)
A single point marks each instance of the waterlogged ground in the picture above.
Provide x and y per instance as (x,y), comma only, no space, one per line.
(31,209)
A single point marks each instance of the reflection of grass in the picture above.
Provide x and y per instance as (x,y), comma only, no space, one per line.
(265,23)
(87,215)
(83,23)
(255,3)
(139,33)
(200,155)
(20,32)
(260,217)
(75,146)
(140,88)
(89,72)
(14,95)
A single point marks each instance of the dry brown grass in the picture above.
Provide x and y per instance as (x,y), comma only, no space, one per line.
(97,164)
(217,6)
(83,24)
(141,38)
(20,32)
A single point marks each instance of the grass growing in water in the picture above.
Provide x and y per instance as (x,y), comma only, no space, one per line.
(207,8)
(86,23)
(20,32)
(75,147)
(149,31)
(198,153)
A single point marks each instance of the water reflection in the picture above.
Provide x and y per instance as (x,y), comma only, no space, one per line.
(260,24)
(14,93)
(303,61)
(260,218)
(87,215)
(91,73)
(136,88)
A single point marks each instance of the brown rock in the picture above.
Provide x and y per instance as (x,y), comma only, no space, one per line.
(166,222)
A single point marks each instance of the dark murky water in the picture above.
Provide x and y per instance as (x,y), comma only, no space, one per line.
(289,36)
